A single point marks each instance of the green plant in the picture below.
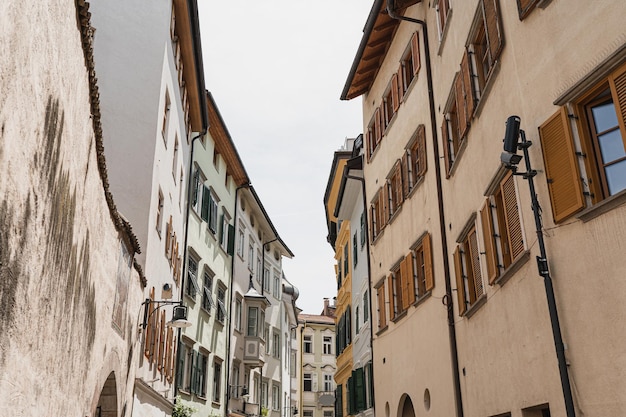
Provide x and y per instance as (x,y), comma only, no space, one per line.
(264,411)
(182,410)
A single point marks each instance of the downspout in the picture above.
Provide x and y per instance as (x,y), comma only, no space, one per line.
(300,380)
(369,280)
(230,301)
(442,222)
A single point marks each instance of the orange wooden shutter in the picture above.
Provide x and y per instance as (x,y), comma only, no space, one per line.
(460,287)
(385,205)
(617,81)
(513,224)
(493,27)
(468,88)
(382,319)
(428,263)
(459,92)
(421,149)
(378,127)
(406,167)
(398,184)
(490,244)
(404,283)
(415,53)
(392,302)
(395,98)
(524,7)
(168,228)
(562,172)
(445,139)
(400,84)
(410,277)
(474,258)
(161,343)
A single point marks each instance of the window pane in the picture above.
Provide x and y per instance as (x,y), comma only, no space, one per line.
(612,146)
(616,177)
(604,116)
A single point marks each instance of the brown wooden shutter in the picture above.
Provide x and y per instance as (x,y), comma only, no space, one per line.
(421,149)
(406,166)
(511,211)
(493,28)
(460,287)
(398,184)
(161,344)
(459,92)
(385,205)
(410,277)
(400,84)
(404,283)
(378,127)
(524,7)
(474,258)
(562,172)
(395,98)
(468,88)
(428,263)
(415,53)
(382,319)
(617,81)
(392,306)
(490,244)
(445,138)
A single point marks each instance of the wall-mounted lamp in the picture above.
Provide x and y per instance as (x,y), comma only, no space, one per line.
(179,312)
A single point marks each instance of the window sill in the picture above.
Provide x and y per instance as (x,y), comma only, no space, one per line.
(201,398)
(205,310)
(602,207)
(419,182)
(382,330)
(190,298)
(512,269)
(399,316)
(377,238)
(480,103)
(458,156)
(395,214)
(215,403)
(471,310)
(185,392)
(421,299)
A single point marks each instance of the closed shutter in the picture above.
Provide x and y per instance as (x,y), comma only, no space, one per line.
(385,205)
(460,287)
(617,81)
(204,212)
(415,53)
(490,245)
(231,239)
(168,232)
(392,304)
(421,150)
(468,89)
(493,27)
(359,387)
(459,92)
(511,211)
(398,184)
(445,139)
(428,263)
(395,98)
(338,401)
(562,172)
(475,260)
(161,343)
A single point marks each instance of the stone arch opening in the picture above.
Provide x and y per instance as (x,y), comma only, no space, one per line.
(107,403)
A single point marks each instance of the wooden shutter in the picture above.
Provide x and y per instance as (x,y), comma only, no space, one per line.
(511,213)
(168,230)
(378,128)
(392,304)
(493,29)
(562,172)
(474,258)
(382,318)
(397,185)
(524,7)
(204,212)
(410,278)
(404,282)
(400,84)
(428,263)
(194,195)
(490,244)
(384,206)
(161,343)
(359,387)
(395,98)
(415,53)
(421,150)
(406,172)
(468,89)
(617,81)
(445,139)
(460,287)
(459,92)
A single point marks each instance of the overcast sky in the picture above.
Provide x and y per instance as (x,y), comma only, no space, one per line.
(276,69)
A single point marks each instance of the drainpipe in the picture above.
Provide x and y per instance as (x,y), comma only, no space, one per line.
(230,302)
(442,223)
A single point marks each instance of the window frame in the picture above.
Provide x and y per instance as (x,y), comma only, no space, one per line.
(470,287)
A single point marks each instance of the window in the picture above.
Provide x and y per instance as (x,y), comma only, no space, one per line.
(393,285)
(343,331)
(390,103)
(380,295)
(166,113)
(221,303)
(238,307)
(602,154)
(394,192)
(308,344)
(418,272)
(443,12)
(253,313)
(184,367)
(469,282)
(486,42)
(266,337)
(264,393)
(276,344)
(362,230)
(308,382)
(241,241)
(225,231)
(346,263)
(175,157)
(275,397)
(197,190)
(207,291)
(216,159)
(217,380)
(181,183)
(328,343)
(266,278)
(199,374)
(374,133)
(277,288)
(456,121)
(338,401)
(208,212)
(235,387)
(409,66)
(259,268)
(159,215)
(356,391)
(356,320)
(502,229)
(414,160)
(250,254)
(191,289)
(328,383)
(328,413)
(308,413)
(366,307)
(378,213)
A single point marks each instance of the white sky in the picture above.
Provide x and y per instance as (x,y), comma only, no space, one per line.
(276,69)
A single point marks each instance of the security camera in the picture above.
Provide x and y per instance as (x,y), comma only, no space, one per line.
(511,134)
(167,287)
(510,159)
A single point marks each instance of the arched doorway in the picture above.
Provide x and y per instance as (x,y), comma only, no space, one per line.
(107,403)
(406,405)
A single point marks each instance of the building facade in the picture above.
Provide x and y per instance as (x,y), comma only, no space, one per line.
(467,322)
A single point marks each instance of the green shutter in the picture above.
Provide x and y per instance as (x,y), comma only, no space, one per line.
(359,387)
(231,239)
(204,212)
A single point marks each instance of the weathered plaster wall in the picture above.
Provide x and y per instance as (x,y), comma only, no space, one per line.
(59,246)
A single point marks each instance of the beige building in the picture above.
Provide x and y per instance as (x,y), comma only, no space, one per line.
(70,296)
(464,319)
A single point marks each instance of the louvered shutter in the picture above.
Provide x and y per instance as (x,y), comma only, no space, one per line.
(400,84)
(511,211)
(378,131)
(428,263)
(231,239)
(459,92)
(384,195)
(468,88)
(460,287)
(415,53)
(359,387)
(617,81)
(562,172)
(445,139)
(392,304)
(524,7)
(406,173)
(475,260)
(421,149)
(404,284)
(204,212)
(168,230)
(161,343)
(410,278)
(194,195)
(399,195)
(490,245)
(395,98)
(382,320)
(493,28)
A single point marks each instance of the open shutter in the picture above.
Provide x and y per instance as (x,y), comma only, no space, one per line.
(392,305)
(513,224)
(493,27)
(410,278)
(359,387)
(490,246)
(428,263)
(562,172)
(231,239)
(468,88)
(395,98)
(400,84)
(406,173)
(445,139)
(404,283)
(524,7)
(421,150)
(204,212)
(459,92)
(194,191)
(382,319)
(378,129)
(475,260)
(617,81)
(415,53)
(460,288)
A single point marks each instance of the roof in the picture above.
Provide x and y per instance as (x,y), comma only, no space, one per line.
(287,252)
(377,36)
(313,318)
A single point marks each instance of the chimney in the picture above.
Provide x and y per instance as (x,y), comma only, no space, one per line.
(325,306)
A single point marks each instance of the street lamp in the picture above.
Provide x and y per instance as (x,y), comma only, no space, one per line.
(511,159)
(179,312)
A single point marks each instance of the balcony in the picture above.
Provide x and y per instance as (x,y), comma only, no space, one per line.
(254,352)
